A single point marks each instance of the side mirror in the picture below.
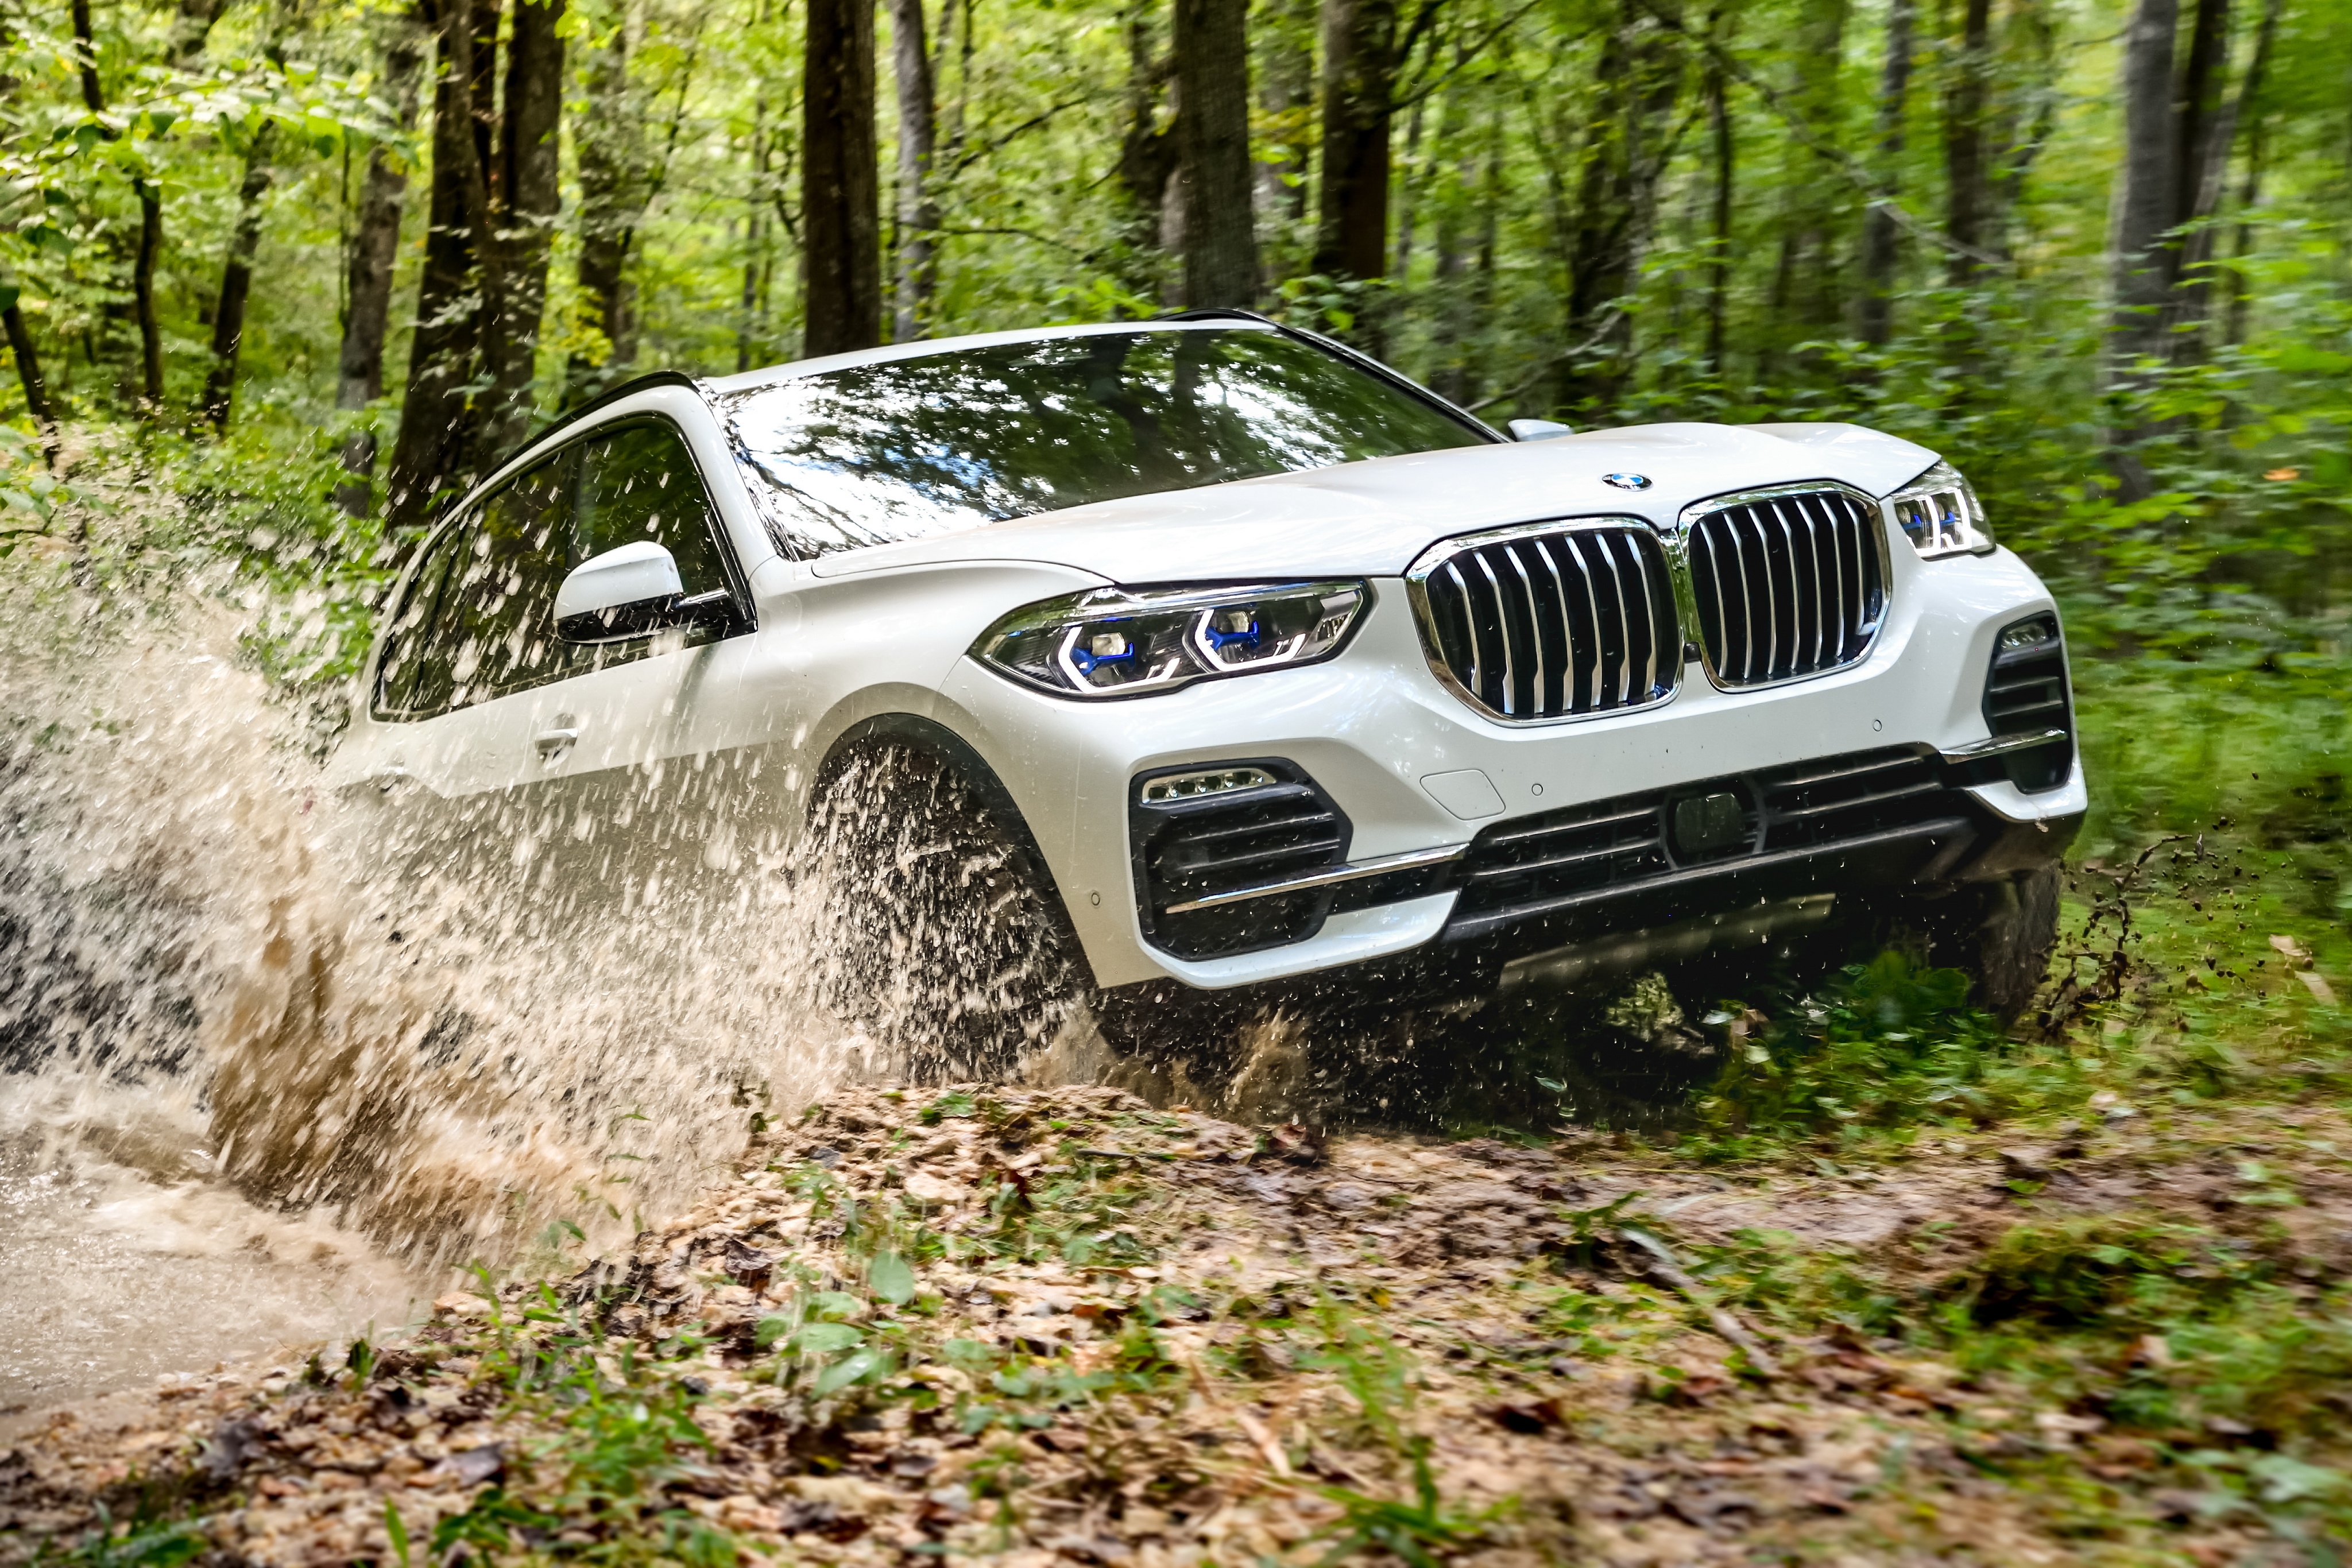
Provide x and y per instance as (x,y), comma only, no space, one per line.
(629,593)
(1540,429)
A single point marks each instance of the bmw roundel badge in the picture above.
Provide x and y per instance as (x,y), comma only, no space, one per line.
(1627,481)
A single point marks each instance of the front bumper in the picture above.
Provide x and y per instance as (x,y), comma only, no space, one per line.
(1413,771)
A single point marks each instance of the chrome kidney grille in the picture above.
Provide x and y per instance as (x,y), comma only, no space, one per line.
(1552,620)
(1786,583)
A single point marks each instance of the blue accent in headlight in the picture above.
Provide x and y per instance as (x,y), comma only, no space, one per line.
(1217,639)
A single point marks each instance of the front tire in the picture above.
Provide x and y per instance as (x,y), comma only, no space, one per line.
(950,945)
(2015,933)
(2001,932)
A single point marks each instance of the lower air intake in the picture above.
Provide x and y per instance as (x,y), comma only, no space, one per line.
(1190,847)
(2026,694)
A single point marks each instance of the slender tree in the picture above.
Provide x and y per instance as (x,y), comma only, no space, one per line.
(1358,89)
(1212,51)
(2142,217)
(1147,148)
(434,452)
(2250,192)
(151,223)
(1625,153)
(2199,115)
(840,180)
(237,279)
(614,189)
(918,207)
(1806,299)
(29,367)
(2193,295)
(520,230)
(1968,184)
(1723,149)
(376,248)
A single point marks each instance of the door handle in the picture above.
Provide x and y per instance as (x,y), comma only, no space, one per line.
(554,743)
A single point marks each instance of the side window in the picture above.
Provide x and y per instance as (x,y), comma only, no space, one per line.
(410,681)
(640,483)
(480,618)
(497,621)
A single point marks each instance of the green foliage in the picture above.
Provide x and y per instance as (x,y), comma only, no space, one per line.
(1891,1044)
(1416,1532)
(157,1543)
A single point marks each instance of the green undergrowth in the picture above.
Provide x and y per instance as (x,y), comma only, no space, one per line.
(2192,1354)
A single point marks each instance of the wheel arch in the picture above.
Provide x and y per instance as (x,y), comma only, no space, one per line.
(938,740)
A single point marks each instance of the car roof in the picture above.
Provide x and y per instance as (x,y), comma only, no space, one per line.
(923,348)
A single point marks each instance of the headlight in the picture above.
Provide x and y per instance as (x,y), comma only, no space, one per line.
(1941,516)
(1116,642)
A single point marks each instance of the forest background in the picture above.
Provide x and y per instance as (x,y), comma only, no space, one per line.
(304,267)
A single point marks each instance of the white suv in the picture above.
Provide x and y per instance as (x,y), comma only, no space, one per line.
(1126,668)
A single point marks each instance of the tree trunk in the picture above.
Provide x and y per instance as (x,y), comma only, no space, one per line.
(613,193)
(2143,216)
(1459,129)
(1725,151)
(150,227)
(840,180)
(1622,158)
(190,27)
(435,449)
(2193,296)
(1358,82)
(1967,190)
(29,374)
(527,200)
(2251,191)
(2197,109)
(2145,194)
(1211,50)
(374,250)
(142,297)
(237,281)
(1147,151)
(1407,194)
(918,211)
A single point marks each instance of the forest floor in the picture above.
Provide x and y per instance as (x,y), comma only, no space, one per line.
(1033,1326)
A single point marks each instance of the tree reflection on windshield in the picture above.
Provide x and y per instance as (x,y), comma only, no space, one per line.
(907,448)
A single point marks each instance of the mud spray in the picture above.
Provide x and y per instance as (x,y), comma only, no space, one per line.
(261,1083)
(267,1079)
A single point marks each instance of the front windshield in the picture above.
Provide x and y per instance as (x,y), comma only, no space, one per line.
(909,448)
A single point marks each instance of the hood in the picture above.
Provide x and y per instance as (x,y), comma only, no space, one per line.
(1373,518)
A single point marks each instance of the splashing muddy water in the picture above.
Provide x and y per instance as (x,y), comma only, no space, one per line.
(262,1082)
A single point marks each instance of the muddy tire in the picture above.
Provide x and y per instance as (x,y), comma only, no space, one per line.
(2002,933)
(2014,936)
(949,945)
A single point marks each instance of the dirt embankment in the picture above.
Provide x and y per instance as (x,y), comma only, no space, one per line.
(1059,1325)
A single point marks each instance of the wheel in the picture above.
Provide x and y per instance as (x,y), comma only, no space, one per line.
(2017,931)
(950,945)
(2002,933)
